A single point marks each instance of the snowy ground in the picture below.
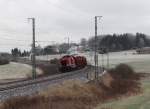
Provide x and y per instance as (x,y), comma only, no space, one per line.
(140,63)
(16,70)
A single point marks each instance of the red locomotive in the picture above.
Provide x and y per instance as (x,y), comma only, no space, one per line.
(70,62)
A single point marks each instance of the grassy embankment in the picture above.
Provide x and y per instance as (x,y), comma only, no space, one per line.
(141,101)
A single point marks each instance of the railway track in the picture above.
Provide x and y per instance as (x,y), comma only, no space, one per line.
(14,85)
(31,87)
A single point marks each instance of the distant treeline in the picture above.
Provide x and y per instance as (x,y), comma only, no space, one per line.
(114,42)
(16,52)
(119,42)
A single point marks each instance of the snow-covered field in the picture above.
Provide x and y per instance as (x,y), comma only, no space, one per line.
(140,63)
(16,70)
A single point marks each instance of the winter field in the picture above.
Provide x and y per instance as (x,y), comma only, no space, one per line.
(15,70)
(139,62)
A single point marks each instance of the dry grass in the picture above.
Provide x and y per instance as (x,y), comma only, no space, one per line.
(49,69)
(76,95)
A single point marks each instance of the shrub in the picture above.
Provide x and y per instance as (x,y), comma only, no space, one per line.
(125,80)
(49,69)
(4,61)
(54,61)
(123,71)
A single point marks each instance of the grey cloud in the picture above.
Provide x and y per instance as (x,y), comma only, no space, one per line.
(56,19)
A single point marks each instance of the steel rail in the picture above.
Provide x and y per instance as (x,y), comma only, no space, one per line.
(41,80)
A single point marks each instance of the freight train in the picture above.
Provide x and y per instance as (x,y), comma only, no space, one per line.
(70,63)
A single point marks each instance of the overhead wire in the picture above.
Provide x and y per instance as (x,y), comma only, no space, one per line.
(2,38)
(19,40)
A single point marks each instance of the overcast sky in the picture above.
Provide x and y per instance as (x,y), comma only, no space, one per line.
(57,19)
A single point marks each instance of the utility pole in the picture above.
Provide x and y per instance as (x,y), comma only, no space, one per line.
(103,61)
(68,43)
(33,58)
(96,48)
(107,58)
